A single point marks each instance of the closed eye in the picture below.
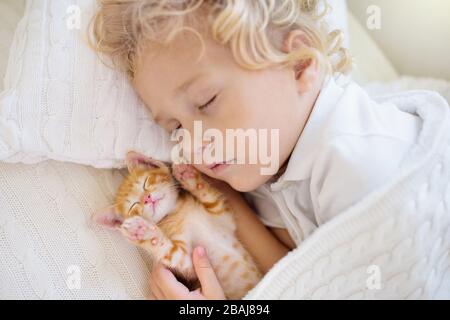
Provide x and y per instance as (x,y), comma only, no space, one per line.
(206,105)
(145,183)
(132,206)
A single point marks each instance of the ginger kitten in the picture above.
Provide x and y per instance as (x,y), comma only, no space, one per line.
(151,211)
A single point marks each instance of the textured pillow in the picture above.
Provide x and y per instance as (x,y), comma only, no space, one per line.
(49,246)
(61,103)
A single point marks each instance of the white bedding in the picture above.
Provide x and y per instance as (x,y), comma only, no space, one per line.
(410,83)
(46,238)
(44,230)
(61,102)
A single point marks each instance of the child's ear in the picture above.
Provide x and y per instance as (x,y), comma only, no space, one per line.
(306,72)
(136,160)
(108,218)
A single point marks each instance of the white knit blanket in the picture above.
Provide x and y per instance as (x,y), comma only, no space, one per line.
(395,244)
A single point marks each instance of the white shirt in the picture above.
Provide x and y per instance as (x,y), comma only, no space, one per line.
(350,146)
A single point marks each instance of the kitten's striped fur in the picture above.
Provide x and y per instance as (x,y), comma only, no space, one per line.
(195,214)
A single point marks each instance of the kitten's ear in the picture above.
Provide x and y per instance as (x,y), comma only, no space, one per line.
(108,218)
(136,160)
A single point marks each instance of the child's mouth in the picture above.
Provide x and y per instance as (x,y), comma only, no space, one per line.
(219,167)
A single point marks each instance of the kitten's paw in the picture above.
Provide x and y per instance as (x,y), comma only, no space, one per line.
(189,177)
(138,229)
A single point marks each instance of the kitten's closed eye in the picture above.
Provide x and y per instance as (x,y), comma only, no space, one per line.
(133,208)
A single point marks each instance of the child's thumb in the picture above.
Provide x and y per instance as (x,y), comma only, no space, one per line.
(211,287)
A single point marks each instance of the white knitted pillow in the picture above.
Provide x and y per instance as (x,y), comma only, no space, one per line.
(60,102)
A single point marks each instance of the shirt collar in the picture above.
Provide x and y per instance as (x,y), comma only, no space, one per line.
(300,164)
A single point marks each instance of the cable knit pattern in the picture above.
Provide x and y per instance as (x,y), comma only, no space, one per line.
(60,102)
(400,232)
(45,231)
(409,244)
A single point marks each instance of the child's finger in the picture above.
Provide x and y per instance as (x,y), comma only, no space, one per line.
(169,285)
(152,296)
(211,287)
(156,292)
(155,289)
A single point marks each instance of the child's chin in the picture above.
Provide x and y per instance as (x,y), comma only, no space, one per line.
(246,182)
(242,185)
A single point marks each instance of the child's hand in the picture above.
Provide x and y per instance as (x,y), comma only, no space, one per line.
(165,286)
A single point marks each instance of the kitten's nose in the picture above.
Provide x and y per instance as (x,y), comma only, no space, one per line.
(150,199)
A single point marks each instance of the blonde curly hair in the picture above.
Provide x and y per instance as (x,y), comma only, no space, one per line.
(252,29)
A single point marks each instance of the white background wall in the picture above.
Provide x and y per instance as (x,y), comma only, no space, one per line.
(415,34)
(10,13)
